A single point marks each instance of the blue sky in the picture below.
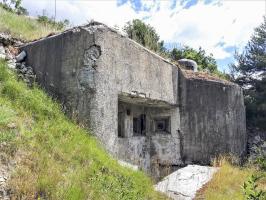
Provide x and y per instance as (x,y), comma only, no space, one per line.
(218,26)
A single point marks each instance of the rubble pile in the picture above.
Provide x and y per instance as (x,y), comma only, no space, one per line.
(15,60)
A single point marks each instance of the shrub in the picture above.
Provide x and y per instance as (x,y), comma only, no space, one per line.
(250,189)
(45,20)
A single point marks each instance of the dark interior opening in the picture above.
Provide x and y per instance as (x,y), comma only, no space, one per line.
(162,124)
(139,125)
(120,122)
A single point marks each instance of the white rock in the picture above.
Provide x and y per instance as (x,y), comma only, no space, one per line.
(2,52)
(2,56)
(11,65)
(2,179)
(2,49)
(185,182)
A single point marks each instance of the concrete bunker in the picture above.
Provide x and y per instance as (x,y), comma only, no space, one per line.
(143,109)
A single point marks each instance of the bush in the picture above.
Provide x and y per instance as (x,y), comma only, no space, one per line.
(14,6)
(45,20)
(251,191)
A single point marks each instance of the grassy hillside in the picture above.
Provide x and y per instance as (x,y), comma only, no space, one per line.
(228,182)
(23,27)
(57,158)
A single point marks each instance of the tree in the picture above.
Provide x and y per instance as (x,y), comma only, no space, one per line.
(250,72)
(144,34)
(148,37)
(14,6)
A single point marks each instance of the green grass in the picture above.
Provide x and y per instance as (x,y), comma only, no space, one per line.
(23,27)
(58,159)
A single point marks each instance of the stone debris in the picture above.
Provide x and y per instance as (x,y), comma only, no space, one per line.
(7,39)
(185,182)
(8,52)
(14,60)
(25,73)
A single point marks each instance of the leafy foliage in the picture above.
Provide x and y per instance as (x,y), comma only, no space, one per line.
(144,34)
(250,73)
(251,191)
(14,6)
(23,27)
(147,36)
(205,62)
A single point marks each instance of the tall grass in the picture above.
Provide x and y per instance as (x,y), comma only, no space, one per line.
(228,181)
(59,159)
(23,27)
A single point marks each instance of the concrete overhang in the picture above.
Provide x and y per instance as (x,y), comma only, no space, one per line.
(141,99)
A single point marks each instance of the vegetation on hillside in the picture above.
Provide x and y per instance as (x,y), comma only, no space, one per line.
(49,21)
(15,22)
(250,73)
(23,27)
(148,37)
(144,34)
(59,159)
(231,182)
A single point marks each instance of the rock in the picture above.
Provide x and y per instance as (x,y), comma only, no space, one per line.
(185,182)
(11,64)
(20,57)
(9,55)
(2,49)
(13,50)
(2,56)
(12,125)
(7,39)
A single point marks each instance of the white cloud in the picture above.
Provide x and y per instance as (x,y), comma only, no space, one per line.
(206,25)
(230,22)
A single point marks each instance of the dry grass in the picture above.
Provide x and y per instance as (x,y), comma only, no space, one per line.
(23,27)
(226,183)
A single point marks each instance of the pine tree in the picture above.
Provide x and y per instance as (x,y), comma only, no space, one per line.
(250,73)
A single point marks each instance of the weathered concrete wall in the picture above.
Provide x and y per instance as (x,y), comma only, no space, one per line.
(212,119)
(58,63)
